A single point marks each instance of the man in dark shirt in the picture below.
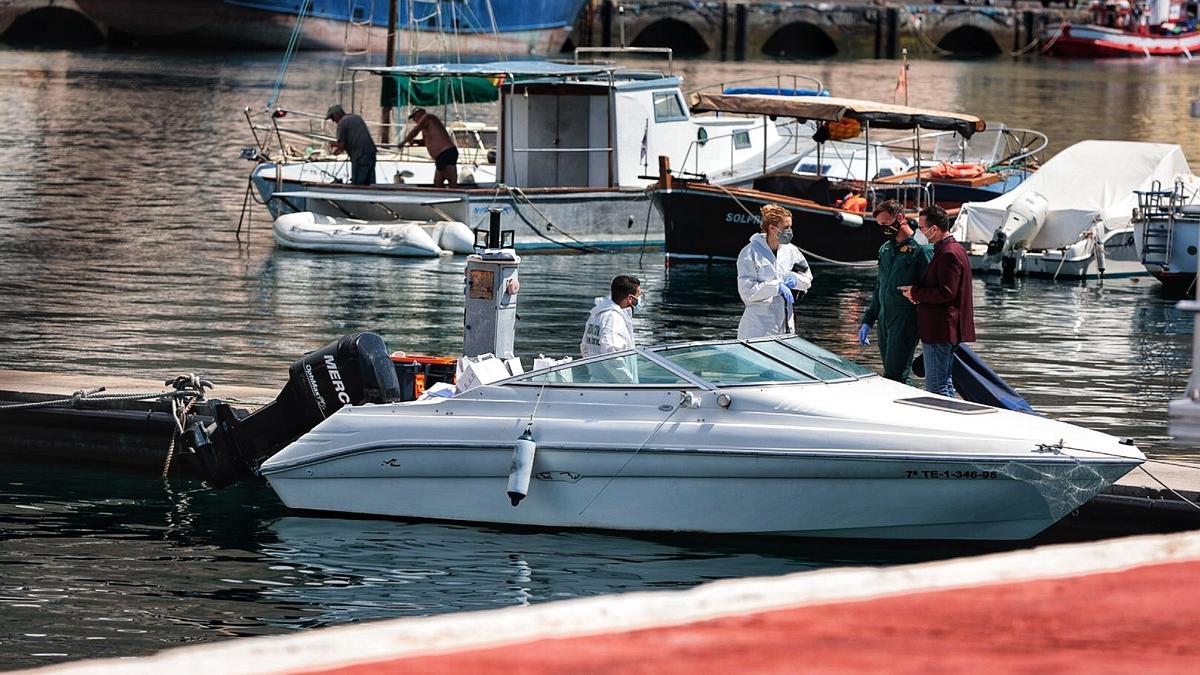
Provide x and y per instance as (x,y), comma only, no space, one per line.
(902,261)
(945,307)
(355,139)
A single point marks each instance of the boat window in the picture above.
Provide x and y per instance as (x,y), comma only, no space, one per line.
(801,361)
(826,356)
(741,140)
(627,369)
(668,108)
(729,364)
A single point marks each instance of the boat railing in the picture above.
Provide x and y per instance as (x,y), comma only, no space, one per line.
(694,149)
(779,79)
(913,196)
(664,51)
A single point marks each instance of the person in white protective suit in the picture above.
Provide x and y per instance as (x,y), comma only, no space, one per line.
(610,329)
(771,275)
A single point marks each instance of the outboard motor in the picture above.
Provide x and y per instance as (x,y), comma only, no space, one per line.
(352,370)
(1022,222)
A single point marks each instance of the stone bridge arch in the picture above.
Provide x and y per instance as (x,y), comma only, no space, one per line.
(681,36)
(802,39)
(52,27)
(968,32)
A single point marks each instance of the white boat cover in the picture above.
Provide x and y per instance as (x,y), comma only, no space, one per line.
(1089,182)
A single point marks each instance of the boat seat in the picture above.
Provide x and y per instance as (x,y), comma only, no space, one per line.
(802,187)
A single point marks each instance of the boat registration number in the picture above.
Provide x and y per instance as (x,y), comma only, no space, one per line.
(952,474)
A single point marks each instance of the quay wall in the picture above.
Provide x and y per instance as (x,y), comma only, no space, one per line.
(748,29)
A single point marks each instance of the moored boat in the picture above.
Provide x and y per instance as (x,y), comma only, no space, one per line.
(492,27)
(771,436)
(1167,231)
(306,231)
(1079,225)
(1086,41)
(831,206)
(576,153)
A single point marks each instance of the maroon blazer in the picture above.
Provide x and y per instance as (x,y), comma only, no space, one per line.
(945,308)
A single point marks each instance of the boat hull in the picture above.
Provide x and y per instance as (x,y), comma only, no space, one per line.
(1177,272)
(1099,42)
(703,223)
(543,220)
(719,493)
(270,23)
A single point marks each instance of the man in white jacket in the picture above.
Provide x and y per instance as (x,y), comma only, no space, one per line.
(770,273)
(610,325)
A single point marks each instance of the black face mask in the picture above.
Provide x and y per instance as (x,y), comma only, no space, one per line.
(892,229)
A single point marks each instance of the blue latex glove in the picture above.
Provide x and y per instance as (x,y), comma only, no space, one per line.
(786,293)
(789,280)
(863,330)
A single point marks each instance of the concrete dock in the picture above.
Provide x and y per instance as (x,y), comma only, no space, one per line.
(1121,605)
(1138,503)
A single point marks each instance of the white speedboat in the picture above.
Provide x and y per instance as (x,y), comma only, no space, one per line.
(307,231)
(772,436)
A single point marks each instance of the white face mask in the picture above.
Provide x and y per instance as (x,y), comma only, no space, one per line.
(920,237)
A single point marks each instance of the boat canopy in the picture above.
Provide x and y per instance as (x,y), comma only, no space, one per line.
(493,69)
(830,109)
(1090,181)
(433,84)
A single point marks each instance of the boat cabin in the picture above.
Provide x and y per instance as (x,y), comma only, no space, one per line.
(601,126)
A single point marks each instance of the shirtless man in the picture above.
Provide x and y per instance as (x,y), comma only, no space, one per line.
(439,145)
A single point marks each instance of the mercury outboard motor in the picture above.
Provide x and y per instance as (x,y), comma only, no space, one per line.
(352,370)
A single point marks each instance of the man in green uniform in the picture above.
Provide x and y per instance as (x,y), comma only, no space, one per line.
(902,262)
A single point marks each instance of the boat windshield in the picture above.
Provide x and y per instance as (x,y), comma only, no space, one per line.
(732,364)
(826,357)
(623,369)
(806,363)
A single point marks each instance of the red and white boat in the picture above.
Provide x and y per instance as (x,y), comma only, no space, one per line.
(1099,42)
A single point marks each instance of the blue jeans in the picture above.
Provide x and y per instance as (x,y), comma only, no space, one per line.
(939,361)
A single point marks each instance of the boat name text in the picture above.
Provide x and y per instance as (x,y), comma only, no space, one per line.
(743,218)
(952,474)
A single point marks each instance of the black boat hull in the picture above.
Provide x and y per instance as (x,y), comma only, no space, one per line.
(704,223)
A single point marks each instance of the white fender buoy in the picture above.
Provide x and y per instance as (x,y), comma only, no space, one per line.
(522,467)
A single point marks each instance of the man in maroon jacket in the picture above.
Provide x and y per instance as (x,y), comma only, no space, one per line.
(945,308)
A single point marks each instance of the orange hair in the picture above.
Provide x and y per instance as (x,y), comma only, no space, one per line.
(773,214)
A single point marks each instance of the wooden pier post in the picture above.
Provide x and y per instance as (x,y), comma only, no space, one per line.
(724,30)
(878,34)
(893,25)
(739,35)
(606,18)
(1031,33)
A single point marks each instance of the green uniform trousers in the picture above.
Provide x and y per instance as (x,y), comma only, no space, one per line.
(895,318)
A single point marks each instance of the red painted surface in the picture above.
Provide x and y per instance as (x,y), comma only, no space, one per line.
(1143,620)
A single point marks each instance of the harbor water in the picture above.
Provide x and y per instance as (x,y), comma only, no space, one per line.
(119,198)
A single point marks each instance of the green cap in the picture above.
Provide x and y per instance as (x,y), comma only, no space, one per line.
(334,110)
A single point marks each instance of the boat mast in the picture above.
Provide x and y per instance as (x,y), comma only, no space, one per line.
(386,115)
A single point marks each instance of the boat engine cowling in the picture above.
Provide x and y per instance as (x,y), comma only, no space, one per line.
(1022,221)
(352,370)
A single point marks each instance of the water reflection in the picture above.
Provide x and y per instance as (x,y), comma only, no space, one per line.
(118,207)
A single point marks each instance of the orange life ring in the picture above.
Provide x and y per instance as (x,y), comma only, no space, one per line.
(856,203)
(948,170)
(844,130)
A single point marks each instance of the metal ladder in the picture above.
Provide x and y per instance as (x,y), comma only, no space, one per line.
(1157,208)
